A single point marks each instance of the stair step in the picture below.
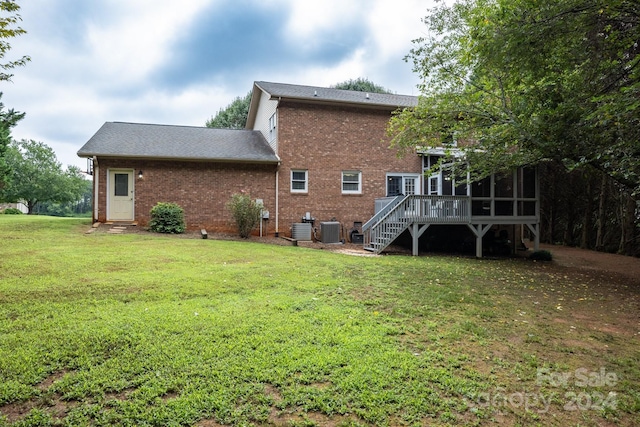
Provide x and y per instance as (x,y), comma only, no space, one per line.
(382,234)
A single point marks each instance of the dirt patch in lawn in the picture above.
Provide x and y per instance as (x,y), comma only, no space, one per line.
(597,262)
(51,402)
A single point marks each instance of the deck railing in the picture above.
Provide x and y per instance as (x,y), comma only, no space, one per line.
(390,223)
(382,212)
(438,209)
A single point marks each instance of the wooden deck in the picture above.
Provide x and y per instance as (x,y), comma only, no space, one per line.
(416,213)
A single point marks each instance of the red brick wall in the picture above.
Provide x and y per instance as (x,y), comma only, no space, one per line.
(324,140)
(327,140)
(201,189)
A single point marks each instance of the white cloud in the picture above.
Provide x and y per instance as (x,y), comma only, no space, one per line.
(191,106)
(93,63)
(134,40)
(351,68)
(393,27)
(390,25)
(307,18)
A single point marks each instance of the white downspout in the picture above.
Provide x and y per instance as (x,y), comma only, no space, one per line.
(96,188)
(277,202)
(277,170)
(275,149)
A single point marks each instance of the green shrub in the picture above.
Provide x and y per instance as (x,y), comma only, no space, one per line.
(245,212)
(167,218)
(541,255)
(12,211)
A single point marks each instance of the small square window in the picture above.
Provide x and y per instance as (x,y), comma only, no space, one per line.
(351,182)
(299,181)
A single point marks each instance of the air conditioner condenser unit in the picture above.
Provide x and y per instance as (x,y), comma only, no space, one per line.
(330,232)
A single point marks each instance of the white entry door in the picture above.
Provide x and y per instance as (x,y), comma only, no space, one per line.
(411,185)
(120,195)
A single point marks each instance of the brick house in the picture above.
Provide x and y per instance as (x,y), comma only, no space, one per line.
(334,153)
(310,154)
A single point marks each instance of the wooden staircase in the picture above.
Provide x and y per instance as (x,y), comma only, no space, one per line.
(404,212)
(386,235)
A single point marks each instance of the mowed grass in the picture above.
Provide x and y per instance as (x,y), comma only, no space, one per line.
(141,329)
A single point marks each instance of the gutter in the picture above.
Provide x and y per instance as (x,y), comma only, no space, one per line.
(333,102)
(183,159)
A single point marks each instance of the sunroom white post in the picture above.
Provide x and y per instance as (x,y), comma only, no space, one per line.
(492,194)
(514,193)
(469,204)
(479,231)
(535,230)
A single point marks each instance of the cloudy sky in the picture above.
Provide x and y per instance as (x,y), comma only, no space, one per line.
(170,62)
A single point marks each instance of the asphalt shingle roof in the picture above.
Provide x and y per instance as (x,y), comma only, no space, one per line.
(135,140)
(323,94)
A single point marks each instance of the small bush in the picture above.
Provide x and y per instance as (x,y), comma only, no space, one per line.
(541,256)
(12,211)
(245,212)
(167,218)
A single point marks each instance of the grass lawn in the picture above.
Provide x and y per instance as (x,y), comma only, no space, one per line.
(141,329)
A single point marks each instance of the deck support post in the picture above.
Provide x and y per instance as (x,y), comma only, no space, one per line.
(535,230)
(479,231)
(416,231)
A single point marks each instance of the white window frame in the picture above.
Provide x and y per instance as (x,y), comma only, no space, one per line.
(404,177)
(306,181)
(343,182)
(273,124)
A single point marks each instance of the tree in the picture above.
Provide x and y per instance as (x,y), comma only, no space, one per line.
(79,207)
(37,176)
(8,119)
(528,82)
(234,116)
(361,85)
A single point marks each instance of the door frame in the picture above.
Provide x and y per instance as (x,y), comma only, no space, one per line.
(110,174)
(404,176)
(437,179)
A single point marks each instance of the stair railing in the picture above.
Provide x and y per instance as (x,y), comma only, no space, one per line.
(382,212)
(381,230)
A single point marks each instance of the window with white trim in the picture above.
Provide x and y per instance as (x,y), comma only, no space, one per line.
(351,182)
(402,184)
(299,180)
(273,123)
